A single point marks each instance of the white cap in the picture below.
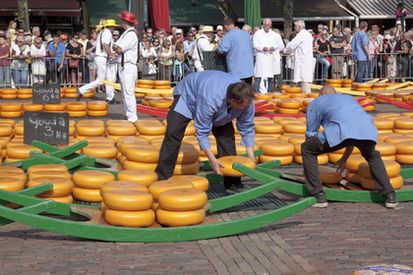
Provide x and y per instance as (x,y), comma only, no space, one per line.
(179,31)
(220,28)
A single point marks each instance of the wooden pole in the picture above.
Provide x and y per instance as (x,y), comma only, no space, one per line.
(23,14)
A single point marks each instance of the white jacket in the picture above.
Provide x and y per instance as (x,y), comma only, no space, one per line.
(267,64)
(302,48)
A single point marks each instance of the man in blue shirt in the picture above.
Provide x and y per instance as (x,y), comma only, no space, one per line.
(360,50)
(56,50)
(346,125)
(212,99)
(239,50)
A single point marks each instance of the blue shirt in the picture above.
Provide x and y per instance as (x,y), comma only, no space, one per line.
(342,118)
(61,49)
(360,39)
(239,50)
(203,98)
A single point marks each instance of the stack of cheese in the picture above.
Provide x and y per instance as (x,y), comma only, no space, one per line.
(321,159)
(24,93)
(181,207)
(55,174)
(187,162)
(404,152)
(268,128)
(392,169)
(70,92)
(162,103)
(277,150)
(17,151)
(127,203)
(178,203)
(150,128)
(352,169)
(100,147)
(140,156)
(88,183)
(138,176)
(403,125)
(55,108)
(32,107)
(97,108)
(12,179)
(329,176)
(90,128)
(76,108)
(336,83)
(120,128)
(289,106)
(11,110)
(383,125)
(8,93)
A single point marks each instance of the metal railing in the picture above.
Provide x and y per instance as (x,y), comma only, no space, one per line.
(392,66)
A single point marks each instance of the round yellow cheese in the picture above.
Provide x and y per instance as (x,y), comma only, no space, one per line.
(127,200)
(143,177)
(92,179)
(182,199)
(130,218)
(180,218)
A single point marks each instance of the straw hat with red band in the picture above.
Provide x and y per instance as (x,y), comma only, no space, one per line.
(128,17)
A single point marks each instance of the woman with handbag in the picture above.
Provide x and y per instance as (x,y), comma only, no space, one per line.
(19,66)
(38,54)
(75,52)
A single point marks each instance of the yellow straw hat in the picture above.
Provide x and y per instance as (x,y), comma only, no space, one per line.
(111,23)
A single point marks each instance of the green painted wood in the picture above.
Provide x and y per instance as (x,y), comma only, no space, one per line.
(168,234)
(109,163)
(24,199)
(212,177)
(403,195)
(270,165)
(236,199)
(407,173)
(270,172)
(254,174)
(38,208)
(57,153)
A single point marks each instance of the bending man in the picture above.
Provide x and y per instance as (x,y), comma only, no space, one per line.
(346,125)
(212,99)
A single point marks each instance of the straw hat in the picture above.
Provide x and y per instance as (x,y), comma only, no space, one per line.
(208,29)
(111,23)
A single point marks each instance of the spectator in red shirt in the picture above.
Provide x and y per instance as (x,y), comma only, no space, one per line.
(5,78)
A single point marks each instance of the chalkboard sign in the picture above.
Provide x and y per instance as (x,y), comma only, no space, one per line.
(214,61)
(46,93)
(51,128)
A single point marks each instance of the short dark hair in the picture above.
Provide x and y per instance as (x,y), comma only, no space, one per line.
(227,21)
(240,91)
(363,25)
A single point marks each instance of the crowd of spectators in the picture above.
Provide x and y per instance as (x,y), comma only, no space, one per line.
(30,57)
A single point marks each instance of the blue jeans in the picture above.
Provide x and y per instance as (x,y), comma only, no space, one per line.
(371,67)
(325,65)
(20,77)
(361,69)
(5,78)
(270,88)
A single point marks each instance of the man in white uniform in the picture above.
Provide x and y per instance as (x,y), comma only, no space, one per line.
(202,44)
(102,53)
(302,47)
(267,45)
(127,50)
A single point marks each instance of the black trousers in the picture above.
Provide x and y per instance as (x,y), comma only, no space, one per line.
(175,130)
(247,80)
(312,147)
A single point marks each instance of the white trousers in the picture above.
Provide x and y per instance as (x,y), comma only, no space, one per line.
(102,73)
(305,87)
(127,77)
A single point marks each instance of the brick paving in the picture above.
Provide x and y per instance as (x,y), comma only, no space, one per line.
(335,240)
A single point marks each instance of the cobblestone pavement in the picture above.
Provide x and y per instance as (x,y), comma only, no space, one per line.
(328,241)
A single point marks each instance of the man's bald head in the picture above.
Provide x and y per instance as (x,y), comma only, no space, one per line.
(326,90)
